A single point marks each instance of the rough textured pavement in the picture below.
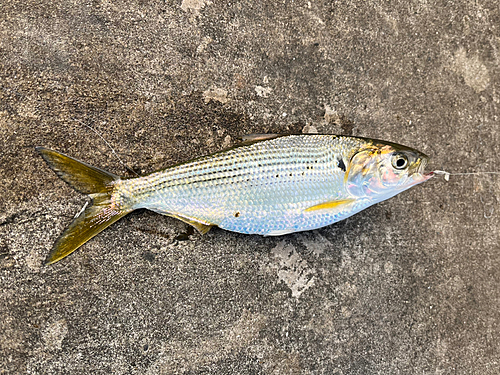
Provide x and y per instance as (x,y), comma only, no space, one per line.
(410,286)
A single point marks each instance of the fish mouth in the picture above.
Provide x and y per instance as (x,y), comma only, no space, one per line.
(419,174)
(421,169)
(422,165)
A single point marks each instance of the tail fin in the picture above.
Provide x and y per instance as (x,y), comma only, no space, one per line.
(96,183)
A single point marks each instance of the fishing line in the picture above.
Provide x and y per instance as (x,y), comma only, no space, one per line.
(448,174)
(110,147)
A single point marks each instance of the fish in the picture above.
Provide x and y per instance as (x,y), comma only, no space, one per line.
(269,184)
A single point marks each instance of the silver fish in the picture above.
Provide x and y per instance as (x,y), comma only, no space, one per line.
(269,185)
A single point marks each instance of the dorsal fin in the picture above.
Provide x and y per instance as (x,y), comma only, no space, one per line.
(254,138)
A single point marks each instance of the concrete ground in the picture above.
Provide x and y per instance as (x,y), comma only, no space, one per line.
(409,286)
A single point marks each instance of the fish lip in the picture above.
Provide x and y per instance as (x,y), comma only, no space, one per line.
(428,175)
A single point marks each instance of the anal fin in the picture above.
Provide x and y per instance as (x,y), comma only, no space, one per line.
(202,227)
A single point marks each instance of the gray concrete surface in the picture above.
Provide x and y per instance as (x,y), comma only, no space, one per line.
(410,286)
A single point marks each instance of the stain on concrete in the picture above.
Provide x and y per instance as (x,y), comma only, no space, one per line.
(315,243)
(216,94)
(309,129)
(263,91)
(292,269)
(472,70)
(54,333)
(194,5)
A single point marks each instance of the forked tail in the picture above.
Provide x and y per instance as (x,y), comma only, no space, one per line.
(102,212)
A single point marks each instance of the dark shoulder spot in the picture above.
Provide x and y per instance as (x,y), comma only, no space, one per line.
(341,164)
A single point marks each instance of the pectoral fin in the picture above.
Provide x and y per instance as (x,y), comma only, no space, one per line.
(331,205)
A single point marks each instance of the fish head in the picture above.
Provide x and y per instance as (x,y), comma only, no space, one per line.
(380,170)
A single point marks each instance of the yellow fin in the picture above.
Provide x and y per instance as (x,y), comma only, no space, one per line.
(79,175)
(96,183)
(201,227)
(91,222)
(330,205)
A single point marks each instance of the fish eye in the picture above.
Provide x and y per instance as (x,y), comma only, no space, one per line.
(399,161)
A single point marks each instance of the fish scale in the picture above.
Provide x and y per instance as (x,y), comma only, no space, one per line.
(261,188)
(271,185)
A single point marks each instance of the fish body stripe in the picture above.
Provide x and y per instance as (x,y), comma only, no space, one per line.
(260,188)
